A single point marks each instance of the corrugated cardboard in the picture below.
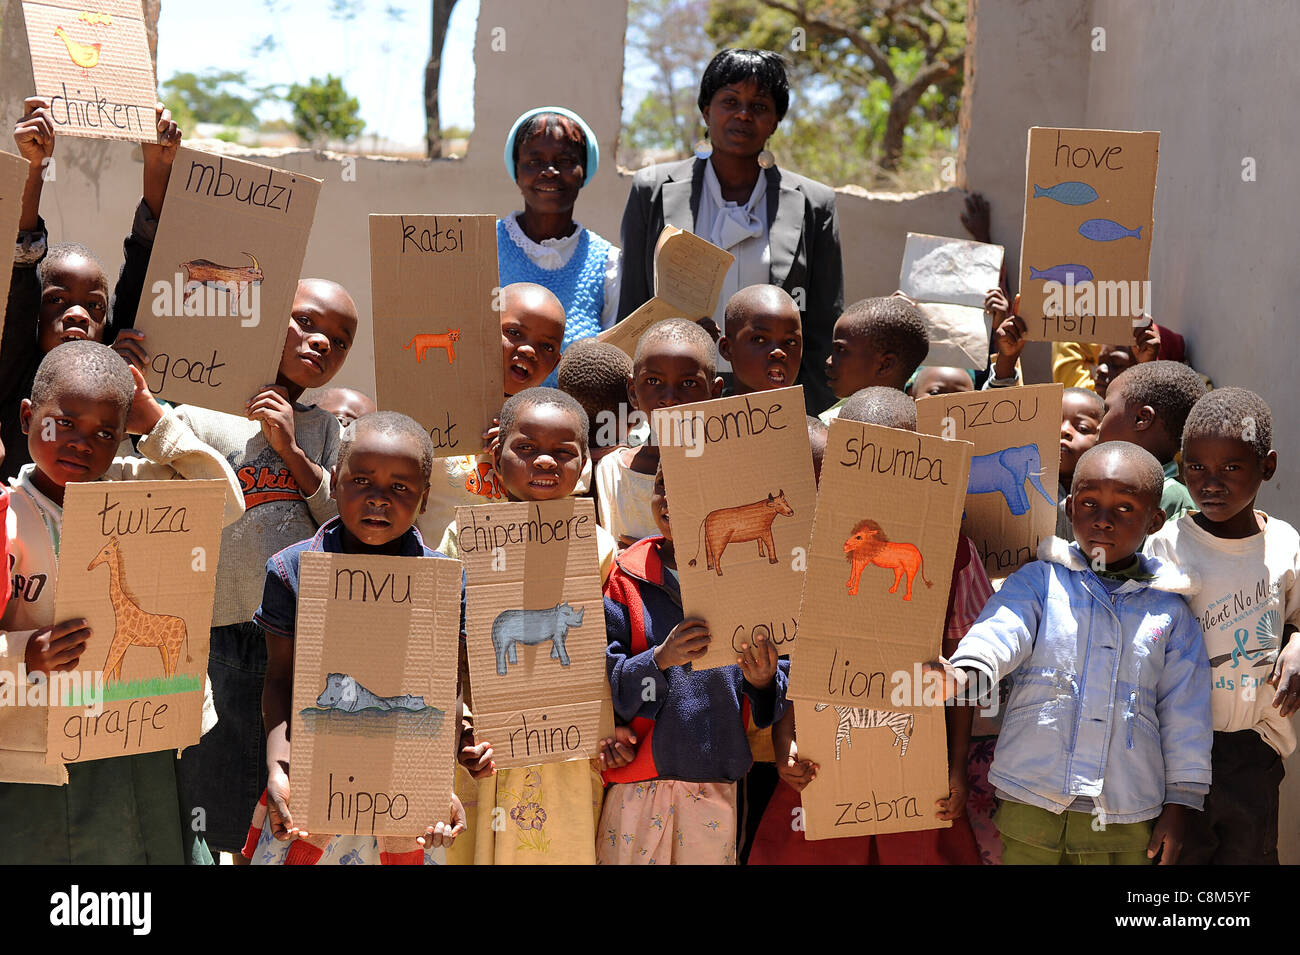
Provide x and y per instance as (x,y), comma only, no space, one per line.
(375,722)
(437,325)
(1089,214)
(890,769)
(1012,493)
(689,272)
(249,224)
(91,61)
(912,486)
(13,177)
(948,278)
(535,630)
(138,560)
(740,480)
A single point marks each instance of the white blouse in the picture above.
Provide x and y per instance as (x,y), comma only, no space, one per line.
(554,254)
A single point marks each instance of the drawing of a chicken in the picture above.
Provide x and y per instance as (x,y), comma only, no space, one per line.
(85,55)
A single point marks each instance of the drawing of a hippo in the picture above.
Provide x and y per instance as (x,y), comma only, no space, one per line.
(531,627)
(344,693)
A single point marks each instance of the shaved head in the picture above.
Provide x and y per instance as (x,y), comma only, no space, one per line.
(330,294)
(769,301)
(533,298)
(1137,465)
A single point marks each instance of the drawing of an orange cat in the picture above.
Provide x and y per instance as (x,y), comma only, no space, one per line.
(422,343)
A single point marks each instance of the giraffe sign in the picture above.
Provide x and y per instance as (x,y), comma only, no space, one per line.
(138,560)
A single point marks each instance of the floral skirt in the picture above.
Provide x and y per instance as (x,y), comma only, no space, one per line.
(668,822)
(980,804)
(262,848)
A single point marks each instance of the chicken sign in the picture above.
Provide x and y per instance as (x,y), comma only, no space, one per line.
(91,63)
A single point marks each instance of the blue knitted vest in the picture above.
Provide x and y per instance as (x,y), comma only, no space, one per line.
(580,285)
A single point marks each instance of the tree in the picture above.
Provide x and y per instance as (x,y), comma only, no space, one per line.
(323,110)
(432,73)
(217,96)
(668,34)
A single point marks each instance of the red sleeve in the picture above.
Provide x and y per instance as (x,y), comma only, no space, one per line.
(969,593)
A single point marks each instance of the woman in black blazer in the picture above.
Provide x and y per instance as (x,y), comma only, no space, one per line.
(782,230)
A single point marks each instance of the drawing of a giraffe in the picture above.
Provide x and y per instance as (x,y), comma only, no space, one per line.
(136,627)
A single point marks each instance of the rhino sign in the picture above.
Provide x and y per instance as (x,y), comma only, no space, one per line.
(531,627)
(748,522)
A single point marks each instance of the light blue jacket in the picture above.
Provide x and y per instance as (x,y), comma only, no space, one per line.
(1111,694)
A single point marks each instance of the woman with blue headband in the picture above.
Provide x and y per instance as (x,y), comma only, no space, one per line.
(551,153)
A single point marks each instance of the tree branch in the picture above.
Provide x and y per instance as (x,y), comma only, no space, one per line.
(879,62)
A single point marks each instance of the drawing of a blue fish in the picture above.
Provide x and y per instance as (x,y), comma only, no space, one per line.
(1062,273)
(1068,193)
(1104,230)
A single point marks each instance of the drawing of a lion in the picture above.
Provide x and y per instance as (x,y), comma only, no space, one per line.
(868,544)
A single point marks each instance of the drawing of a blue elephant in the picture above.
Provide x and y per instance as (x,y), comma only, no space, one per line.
(1005,472)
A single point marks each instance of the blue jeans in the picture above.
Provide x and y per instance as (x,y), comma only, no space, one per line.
(225,774)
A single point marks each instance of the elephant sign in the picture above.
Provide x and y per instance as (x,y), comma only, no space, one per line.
(1005,472)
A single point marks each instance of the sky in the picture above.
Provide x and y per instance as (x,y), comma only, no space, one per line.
(379,55)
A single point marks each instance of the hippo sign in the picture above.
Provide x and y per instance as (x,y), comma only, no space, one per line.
(535,629)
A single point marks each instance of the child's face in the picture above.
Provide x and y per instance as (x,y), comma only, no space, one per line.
(322,325)
(854,362)
(1224,474)
(1110,514)
(1113,360)
(74,303)
(380,487)
(766,351)
(531,335)
(1080,423)
(541,457)
(659,505)
(671,373)
(941,381)
(1117,422)
(550,172)
(72,437)
(346,405)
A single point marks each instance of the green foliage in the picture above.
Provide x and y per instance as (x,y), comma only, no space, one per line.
(216,96)
(323,110)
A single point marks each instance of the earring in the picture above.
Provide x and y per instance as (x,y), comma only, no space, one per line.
(703,148)
(766,160)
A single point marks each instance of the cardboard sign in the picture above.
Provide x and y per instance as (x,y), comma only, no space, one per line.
(375,720)
(880,564)
(434,285)
(948,278)
(1011,495)
(91,61)
(1089,212)
(222,278)
(689,273)
(138,560)
(535,629)
(878,770)
(13,177)
(741,491)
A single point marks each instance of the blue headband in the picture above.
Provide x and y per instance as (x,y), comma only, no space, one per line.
(593,150)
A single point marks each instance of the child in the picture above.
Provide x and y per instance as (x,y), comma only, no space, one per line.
(380,483)
(878,341)
(940,380)
(1081,414)
(763,340)
(1147,405)
(121,810)
(674,365)
(777,843)
(817,440)
(345,404)
(532,329)
(595,374)
(540,455)
(1231,548)
(1112,360)
(1108,723)
(675,803)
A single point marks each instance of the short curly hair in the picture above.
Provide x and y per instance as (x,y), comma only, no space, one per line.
(894,325)
(1170,388)
(389,422)
(887,407)
(84,368)
(595,373)
(678,330)
(1232,413)
(1140,465)
(541,395)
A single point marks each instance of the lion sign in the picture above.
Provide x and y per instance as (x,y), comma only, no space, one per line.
(869,545)
(748,522)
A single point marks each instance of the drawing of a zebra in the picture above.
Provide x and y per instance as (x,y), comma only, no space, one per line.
(859,718)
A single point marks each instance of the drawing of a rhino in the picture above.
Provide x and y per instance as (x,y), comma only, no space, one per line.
(531,627)
(343,692)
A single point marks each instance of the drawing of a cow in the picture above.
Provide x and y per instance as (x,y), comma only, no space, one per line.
(748,522)
(531,627)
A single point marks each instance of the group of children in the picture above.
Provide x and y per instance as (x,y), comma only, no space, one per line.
(1144,661)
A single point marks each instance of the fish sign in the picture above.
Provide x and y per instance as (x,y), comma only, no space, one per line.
(1086,249)
(92,63)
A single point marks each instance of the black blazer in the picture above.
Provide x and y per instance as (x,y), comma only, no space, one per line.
(803,243)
